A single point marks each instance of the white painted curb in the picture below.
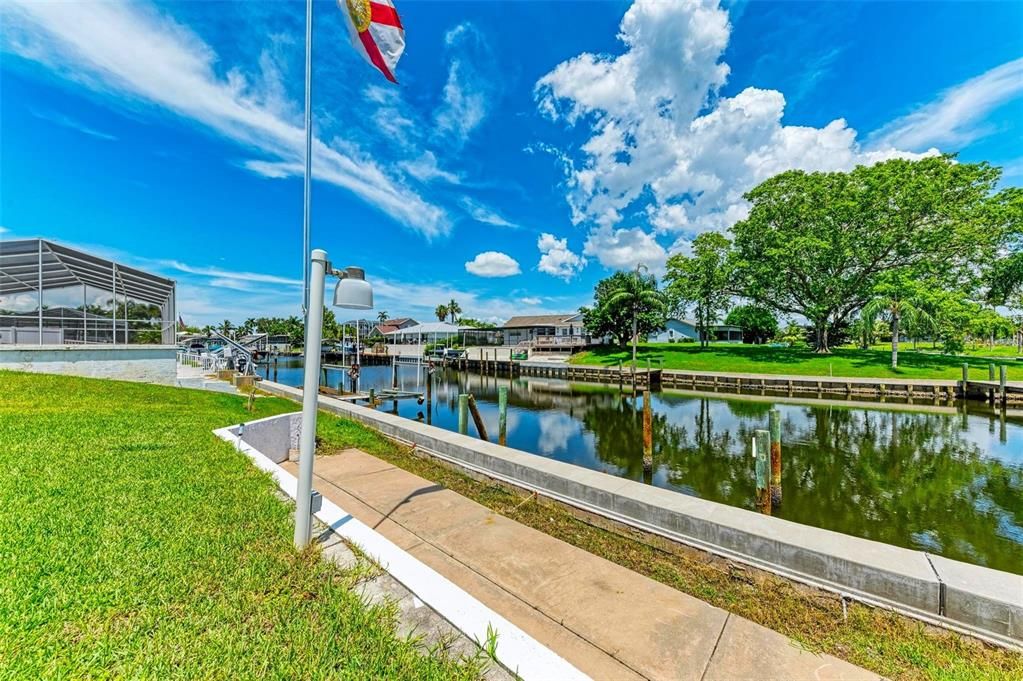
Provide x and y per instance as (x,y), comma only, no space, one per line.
(516,650)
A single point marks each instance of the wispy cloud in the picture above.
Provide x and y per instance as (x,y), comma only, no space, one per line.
(482,213)
(134,52)
(957,116)
(222,275)
(71,123)
(469,88)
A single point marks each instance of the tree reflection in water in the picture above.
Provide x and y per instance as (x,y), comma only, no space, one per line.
(906,478)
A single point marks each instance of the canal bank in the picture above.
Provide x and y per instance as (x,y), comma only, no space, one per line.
(954,594)
(942,478)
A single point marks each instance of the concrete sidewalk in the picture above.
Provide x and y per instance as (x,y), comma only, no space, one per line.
(608,621)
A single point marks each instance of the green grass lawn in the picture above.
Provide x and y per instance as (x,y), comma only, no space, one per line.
(136,544)
(764,359)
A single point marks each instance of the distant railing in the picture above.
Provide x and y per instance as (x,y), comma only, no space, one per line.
(558,341)
(202,360)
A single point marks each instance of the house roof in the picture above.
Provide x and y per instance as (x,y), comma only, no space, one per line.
(398,321)
(384,328)
(538,320)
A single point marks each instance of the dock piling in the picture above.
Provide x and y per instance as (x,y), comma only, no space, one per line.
(394,371)
(481,429)
(991,377)
(502,415)
(463,414)
(648,433)
(761,451)
(1002,380)
(775,427)
(965,381)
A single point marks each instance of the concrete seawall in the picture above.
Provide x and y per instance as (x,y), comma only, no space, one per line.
(947,592)
(141,363)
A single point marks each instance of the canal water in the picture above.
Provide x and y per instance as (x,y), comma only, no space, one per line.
(935,478)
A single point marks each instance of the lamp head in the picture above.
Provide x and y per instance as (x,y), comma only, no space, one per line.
(352,290)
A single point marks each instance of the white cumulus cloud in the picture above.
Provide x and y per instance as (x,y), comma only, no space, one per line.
(662,140)
(556,259)
(625,249)
(493,264)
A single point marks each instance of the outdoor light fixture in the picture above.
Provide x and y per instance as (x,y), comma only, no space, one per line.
(352,290)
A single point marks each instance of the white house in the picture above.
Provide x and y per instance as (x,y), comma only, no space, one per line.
(684,330)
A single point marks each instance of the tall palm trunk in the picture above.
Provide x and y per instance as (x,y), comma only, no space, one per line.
(634,338)
(895,341)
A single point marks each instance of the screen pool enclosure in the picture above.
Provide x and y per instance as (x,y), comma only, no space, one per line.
(55,295)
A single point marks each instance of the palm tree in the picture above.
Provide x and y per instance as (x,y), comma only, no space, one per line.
(892,303)
(441,312)
(637,295)
(382,316)
(226,326)
(454,309)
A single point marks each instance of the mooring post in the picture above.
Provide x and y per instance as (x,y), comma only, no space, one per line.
(481,429)
(394,371)
(774,421)
(502,415)
(372,398)
(648,433)
(463,414)
(991,377)
(1002,381)
(966,379)
(762,452)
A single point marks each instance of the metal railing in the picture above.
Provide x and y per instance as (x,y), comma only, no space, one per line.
(204,361)
(60,329)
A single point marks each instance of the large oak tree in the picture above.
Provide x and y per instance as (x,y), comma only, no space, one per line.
(817,244)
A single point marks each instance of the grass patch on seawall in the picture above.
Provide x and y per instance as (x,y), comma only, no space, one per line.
(890,644)
(136,544)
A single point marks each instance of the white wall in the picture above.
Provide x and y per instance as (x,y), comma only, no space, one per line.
(141,363)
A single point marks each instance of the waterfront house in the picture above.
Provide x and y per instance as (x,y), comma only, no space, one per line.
(685,330)
(548,332)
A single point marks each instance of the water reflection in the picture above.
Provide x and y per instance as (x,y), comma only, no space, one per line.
(924,477)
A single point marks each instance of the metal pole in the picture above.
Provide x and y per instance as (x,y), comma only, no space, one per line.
(39,262)
(310,392)
(113,292)
(85,318)
(307,183)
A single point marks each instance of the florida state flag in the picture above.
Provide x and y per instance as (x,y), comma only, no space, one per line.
(376,32)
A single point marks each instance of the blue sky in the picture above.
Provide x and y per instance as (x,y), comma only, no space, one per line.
(530,148)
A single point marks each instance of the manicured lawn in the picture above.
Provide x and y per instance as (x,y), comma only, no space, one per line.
(764,359)
(135,544)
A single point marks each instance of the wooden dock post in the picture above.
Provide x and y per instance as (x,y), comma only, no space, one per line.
(991,377)
(1002,381)
(648,433)
(502,415)
(965,381)
(762,452)
(394,371)
(481,429)
(774,420)
(463,414)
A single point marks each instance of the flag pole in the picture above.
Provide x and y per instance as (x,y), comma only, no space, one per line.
(307,182)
